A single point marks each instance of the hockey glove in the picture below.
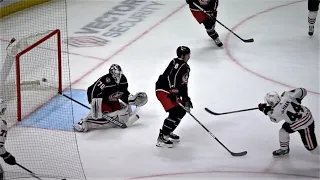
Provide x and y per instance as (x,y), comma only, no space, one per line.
(187,103)
(212,14)
(8,158)
(264,108)
(173,94)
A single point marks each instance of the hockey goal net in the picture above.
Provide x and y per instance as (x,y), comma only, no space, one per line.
(31,73)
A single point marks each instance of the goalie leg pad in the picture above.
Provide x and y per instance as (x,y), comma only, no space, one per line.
(96,108)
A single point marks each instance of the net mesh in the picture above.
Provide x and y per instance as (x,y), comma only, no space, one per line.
(43,141)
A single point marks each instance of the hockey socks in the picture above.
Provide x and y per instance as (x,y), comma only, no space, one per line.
(168,126)
(312,20)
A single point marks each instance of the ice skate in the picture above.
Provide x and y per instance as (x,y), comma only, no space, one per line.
(173,137)
(163,141)
(80,127)
(218,42)
(311,30)
(281,152)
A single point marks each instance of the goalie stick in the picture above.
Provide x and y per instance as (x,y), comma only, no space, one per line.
(243,153)
(244,40)
(97,121)
(230,112)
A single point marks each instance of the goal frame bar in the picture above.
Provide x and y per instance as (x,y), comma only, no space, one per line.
(26,50)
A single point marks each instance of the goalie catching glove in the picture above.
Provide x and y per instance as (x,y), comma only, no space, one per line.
(139,99)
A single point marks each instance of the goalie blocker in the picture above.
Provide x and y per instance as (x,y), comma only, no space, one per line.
(111,102)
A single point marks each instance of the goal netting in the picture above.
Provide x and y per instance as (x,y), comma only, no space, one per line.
(34,69)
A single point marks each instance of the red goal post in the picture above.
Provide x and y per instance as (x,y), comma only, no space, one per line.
(39,65)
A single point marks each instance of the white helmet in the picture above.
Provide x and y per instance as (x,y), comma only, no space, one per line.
(272,98)
(3,106)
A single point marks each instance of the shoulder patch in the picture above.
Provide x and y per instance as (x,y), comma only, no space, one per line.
(108,80)
(185,78)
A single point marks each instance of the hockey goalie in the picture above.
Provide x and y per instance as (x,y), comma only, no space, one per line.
(112,105)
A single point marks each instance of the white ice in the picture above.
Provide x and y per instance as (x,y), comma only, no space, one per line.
(237,76)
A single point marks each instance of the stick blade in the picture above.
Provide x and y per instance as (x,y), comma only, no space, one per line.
(248,40)
(211,112)
(239,153)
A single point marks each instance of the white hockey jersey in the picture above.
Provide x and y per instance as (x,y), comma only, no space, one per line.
(290,110)
(3,135)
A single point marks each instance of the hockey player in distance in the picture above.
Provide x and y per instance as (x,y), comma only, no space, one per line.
(210,7)
(106,109)
(313,7)
(7,157)
(297,118)
(170,87)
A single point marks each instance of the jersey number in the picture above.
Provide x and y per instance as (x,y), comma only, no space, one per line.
(101,85)
(3,133)
(296,115)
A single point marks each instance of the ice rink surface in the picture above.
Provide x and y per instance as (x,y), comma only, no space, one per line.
(234,77)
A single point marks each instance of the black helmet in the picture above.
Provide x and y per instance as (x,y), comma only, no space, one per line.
(182,50)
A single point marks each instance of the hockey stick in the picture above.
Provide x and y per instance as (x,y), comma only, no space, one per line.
(232,153)
(11,41)
(244,40)
(32,174)
(214,113)
(74,100)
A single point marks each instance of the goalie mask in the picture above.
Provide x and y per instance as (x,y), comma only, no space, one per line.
(272,98)
(116,72)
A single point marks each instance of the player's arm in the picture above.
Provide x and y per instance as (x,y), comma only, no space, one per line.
(125,96)
(183,77)
(271,112)
(297,94)
(7,157)
(168,73)
(182,80)
(273,115)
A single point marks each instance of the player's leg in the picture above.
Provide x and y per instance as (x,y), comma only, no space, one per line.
(1,173)
(284,140)
(313,7)
(309,139)
(11,52)
(210,25)
(175,115)
(95,113)
(171,122)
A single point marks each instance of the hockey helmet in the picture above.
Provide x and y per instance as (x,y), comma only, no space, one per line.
(116,72)
(272,98)
(182,51)
(3,106)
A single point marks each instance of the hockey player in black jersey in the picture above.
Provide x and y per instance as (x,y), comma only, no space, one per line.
(172,86)
(106,109)
(313,7)
(210,7)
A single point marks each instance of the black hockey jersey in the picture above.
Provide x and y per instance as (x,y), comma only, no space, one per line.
(207,5)
(176,76)
(107,89)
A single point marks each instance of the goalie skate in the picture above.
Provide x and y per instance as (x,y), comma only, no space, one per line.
(280,153)
(163,141)
(80,127)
